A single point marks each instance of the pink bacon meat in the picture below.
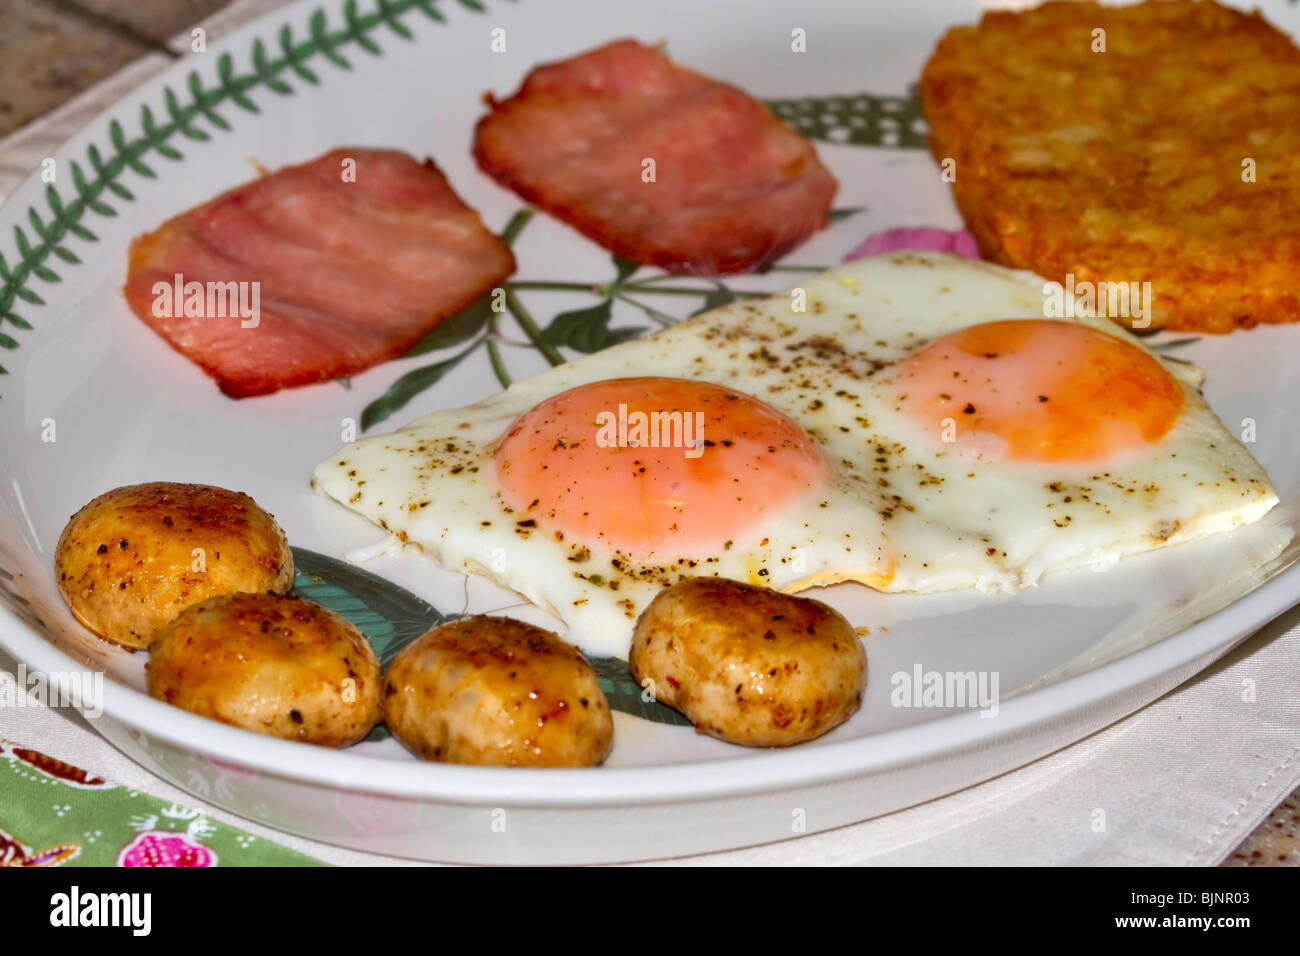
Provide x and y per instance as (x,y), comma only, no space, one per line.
(351,271)
(734,188)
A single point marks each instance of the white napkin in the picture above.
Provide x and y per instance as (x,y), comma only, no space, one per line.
(1181,782)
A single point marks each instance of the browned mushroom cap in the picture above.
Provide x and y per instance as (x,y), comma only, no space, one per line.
(747,664)
(493,690)
(135,557)
(274,664)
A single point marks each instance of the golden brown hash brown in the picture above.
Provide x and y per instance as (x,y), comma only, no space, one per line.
(1127,165)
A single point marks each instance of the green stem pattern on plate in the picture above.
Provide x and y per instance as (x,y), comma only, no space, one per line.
(583,330)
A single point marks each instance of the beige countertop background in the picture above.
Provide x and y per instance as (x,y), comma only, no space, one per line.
(50,50)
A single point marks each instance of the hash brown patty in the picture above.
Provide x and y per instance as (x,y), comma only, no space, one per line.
(1128,165)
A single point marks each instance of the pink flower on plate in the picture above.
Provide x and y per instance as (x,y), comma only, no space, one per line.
(165,848)
(921,238)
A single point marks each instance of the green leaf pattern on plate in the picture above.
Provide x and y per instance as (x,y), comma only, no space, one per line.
(391,617)
(624,693)
(857,119)
(587,330)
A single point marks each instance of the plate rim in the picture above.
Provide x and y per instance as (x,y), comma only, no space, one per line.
(764,771)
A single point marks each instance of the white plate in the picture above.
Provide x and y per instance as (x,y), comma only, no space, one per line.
(1079,652)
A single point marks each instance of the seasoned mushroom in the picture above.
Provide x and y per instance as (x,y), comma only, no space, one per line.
(275,664)
(492,690)
(747,664)
(135,557)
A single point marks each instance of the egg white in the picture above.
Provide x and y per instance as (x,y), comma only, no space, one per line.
(901,511)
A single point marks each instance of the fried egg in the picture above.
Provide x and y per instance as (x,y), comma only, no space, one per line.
(911,422)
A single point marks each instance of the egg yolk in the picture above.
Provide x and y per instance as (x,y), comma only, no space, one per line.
(647,464)
(1039,390)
